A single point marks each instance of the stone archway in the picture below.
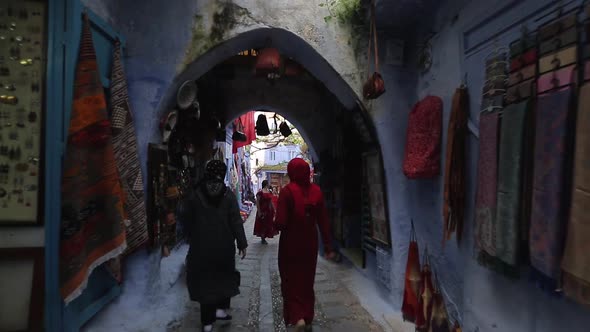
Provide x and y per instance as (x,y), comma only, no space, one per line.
(289,45)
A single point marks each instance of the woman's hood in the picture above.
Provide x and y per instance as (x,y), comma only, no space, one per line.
(299,172)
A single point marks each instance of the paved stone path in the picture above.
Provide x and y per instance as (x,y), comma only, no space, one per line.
(259,306)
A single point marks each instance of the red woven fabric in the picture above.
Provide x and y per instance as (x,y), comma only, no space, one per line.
(423,139)
(413,278)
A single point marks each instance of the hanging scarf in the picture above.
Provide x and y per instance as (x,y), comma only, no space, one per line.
(485,203)
(550,185)
(426,292)
(576,261)
(510,161)
(125,146)
(92,230)
(454,190)
(410,306)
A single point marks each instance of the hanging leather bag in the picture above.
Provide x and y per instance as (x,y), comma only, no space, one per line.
(374,86)
(262,126)
(238,134)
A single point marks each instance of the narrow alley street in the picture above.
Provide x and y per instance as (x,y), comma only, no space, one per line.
(259,306)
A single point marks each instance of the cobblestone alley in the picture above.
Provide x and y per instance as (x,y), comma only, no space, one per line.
(259,306)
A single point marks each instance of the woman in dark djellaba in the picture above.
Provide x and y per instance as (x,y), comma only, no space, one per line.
(213,225)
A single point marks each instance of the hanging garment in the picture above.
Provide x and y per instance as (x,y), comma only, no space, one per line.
(550,185)
(454,187)
(485,200)
(425,300)
(126,154)
(301,210)
(422,156)
(92,229)
(410,305)
(511,146)
(576,261)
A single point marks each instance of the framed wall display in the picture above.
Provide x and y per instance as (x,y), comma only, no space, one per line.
(21,289)
(23,57)
(373,175)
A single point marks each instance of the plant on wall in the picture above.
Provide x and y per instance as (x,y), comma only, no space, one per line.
(345,11)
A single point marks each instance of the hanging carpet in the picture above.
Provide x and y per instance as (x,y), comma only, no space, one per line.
(550,185)
(126,154)
(576,261)
(92,229)
(511,147)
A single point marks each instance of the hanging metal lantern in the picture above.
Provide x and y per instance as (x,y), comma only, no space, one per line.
(268,63)
(262,126)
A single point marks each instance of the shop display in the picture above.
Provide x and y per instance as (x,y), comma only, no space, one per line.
(23,38)
(373,176)
(374,86)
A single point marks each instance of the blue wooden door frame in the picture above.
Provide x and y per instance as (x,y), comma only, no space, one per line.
(62,52)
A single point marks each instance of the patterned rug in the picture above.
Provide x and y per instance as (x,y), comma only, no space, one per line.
(125,145)
(92,230)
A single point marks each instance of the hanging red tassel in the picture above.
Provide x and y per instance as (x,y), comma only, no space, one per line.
(426,294)
(410,305)
(440,320)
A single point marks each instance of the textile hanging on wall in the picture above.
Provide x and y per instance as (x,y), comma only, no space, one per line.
(576,260)
(550,185)
(92,229)
(249,124)
(486,196)
(511,147)
(410,305)
(454,182)
(424,133)
(125,145)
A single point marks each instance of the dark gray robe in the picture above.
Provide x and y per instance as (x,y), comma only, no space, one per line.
(213,228)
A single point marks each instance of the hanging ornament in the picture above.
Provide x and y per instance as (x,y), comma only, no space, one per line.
(284,129)
(425,300)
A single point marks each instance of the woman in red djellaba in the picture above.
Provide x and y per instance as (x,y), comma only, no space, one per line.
(301,209)
(265,213)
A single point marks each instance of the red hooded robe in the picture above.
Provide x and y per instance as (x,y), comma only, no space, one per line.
(300,208)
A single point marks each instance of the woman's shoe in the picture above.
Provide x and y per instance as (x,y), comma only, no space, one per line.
(222,315)
(207,328)
(308,328)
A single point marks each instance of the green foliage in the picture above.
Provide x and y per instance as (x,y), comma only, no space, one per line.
(345,11)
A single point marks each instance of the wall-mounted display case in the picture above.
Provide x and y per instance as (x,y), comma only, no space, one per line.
(23,54)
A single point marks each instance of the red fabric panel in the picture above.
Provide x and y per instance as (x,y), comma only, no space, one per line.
(249,129)
(423,139)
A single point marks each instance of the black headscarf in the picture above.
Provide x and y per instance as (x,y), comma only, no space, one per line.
(213,184)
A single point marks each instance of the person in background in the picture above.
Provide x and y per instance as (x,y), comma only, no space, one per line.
(213,225)
(265,213)
(275,197)
(301,209)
